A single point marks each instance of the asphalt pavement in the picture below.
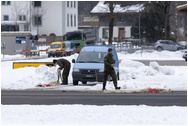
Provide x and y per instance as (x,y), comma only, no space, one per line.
(49,97)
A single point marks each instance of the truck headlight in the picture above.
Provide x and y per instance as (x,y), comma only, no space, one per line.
(101,70)
(76,70)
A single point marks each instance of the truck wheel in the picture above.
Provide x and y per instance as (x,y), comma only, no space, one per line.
(49,54)
(61,55)
(58,54)
(75,82)
(180,48)
(159,49)
(84,82)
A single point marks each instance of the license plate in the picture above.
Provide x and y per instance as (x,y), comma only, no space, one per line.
(89,75)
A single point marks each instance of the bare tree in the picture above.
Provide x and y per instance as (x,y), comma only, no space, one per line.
(38,12)
(111,6)
(16,11)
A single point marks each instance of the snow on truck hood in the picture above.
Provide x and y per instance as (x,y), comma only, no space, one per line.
(88,66)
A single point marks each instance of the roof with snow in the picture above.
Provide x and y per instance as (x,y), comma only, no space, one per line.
(103,8)
(182,7)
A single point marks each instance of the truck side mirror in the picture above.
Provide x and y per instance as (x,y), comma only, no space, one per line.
(73,60)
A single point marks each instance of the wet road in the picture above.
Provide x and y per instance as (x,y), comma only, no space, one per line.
(48,97)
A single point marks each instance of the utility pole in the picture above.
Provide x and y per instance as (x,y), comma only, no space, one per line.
(139,29)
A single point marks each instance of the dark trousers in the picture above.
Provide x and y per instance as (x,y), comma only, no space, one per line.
(66,73)
(113,75)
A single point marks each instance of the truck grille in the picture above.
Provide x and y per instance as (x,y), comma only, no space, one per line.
(88,71)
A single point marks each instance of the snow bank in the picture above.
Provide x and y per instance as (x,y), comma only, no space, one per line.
(154,55)
(164,70)
(92,115)
(136,76)
(12,57)
(133,76)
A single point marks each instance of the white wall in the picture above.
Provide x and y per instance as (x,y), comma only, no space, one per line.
(71,11)
(22,7)
(127,31)
(54,18)
(51,19)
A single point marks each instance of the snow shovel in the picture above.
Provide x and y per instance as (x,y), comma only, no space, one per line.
(59,76)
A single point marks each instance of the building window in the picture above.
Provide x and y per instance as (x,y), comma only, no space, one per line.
(74,20)
(6,17)
(2,2)
(105,33)
(67,3)
(37,3)
(68,20)
(5,2)
(74,4)
(22,17)
(8,2)
(71,20)
(71,3)
(37,20)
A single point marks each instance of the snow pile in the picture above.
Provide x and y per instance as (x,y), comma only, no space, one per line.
(164,70)
(12,57)
(136,76)
(153,55)
(103,8)
(92,115)
(133,76)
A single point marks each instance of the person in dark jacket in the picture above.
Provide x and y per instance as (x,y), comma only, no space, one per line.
(64,64)
(109,70)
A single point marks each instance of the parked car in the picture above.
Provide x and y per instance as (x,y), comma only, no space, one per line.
(185,55)
(167,45)
(89,66)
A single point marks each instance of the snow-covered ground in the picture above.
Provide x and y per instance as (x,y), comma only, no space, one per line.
(133,75)
(92,115)
(153,55)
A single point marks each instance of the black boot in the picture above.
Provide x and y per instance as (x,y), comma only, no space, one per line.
(104,89)
(117,88)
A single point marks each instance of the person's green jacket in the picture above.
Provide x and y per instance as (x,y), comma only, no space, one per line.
(108,60)
(62,63)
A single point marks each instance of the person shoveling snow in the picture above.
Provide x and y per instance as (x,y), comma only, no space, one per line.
(64,64)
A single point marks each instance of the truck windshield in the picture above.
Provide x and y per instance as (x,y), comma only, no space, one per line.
(55,46)
(74,36)
(91,57)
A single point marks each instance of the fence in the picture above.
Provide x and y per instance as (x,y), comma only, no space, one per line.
(30,53)
(128,47)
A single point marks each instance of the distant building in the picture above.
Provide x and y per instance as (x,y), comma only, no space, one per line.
(47,19)
(122,25)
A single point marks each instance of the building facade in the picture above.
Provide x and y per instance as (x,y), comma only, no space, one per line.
(48,20)
(43,17)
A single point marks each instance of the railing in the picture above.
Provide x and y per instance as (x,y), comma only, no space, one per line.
(30,53)
(128,47)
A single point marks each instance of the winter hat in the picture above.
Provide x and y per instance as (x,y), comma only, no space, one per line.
(54,61)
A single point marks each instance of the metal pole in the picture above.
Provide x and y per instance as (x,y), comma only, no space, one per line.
(30,15)
(3,54)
